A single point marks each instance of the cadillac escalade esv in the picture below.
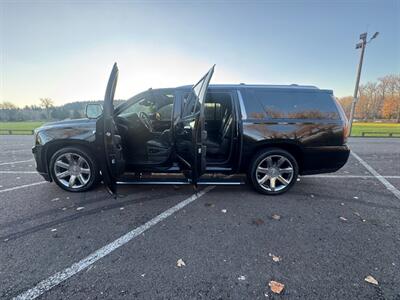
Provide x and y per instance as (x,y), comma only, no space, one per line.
(272,133)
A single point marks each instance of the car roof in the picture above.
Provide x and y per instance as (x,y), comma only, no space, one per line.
(290,87)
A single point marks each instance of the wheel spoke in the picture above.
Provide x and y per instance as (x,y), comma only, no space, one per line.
(272,183)
(69,157)
(72,180)
(286,170)
(62,164)
(264,179)
(269,161)
(80,161)
(262,170)
(283,180)
(63,174)
(85,171)
(280,161)
(81,179)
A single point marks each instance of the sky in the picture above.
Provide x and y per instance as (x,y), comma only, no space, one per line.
(65,50)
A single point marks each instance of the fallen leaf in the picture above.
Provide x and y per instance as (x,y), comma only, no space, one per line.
(371,280)
(242,277)
(276,217)
(80,208)
(180,263)
(343,218)
(276,287)
(276,258)
(53,230)
(223,211)
(258,222)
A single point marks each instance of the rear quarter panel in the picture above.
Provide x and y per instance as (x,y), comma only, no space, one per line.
(315,141)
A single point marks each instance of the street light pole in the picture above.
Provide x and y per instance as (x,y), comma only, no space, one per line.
(362,45)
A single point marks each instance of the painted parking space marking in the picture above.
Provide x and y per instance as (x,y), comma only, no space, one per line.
(383,180)
(16,162)
(74,269)
(17,150)
(22,186)
(351,176)
(22,172)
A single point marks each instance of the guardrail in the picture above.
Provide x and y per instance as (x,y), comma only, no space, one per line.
(17,131)
(375,133)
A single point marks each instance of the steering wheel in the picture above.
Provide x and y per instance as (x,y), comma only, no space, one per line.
(146,121)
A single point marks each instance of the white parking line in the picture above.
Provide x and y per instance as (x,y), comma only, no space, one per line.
(15,162)
(349,176)
(386,183)
(22,186)
(19,172)
(18,150)
(63,275)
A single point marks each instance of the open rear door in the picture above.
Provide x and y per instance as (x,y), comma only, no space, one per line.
(114,164)
(190,134)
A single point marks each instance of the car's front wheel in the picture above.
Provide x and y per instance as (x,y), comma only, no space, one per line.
(74,169)
(273,171)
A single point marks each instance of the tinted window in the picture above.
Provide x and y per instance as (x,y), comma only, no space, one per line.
(150,103)
(214,107)
(212,111)
(295,104)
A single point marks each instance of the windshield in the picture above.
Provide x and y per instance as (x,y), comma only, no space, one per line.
(152,102)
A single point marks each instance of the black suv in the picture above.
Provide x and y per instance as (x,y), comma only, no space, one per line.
(271,133)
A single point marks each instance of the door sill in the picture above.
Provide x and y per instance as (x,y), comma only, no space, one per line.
(183,181)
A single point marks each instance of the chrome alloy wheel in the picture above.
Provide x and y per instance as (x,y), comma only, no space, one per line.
(72,170)
(274,173)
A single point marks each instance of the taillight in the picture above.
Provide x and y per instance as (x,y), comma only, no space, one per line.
(346,130)
(345,122)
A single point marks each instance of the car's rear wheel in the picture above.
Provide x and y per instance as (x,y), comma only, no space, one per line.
(74,169)
(273,171)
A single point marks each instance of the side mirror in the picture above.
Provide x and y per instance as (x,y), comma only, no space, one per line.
(94,110)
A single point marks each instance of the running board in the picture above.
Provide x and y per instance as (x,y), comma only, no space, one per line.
(161,181)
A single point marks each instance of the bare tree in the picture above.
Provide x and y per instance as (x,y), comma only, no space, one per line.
(47,104)
(7,105)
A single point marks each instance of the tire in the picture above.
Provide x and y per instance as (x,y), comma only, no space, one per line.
(273,165)
(74,161)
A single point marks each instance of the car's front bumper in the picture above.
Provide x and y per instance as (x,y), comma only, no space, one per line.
(41,165)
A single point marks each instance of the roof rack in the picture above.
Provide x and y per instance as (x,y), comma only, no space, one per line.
(281,86)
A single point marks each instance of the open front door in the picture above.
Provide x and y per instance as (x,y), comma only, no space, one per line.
(114,164)
(190,134)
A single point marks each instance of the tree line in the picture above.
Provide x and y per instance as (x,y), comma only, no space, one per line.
(377,100)
(45,111)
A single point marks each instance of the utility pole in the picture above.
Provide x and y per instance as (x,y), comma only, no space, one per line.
(362,45)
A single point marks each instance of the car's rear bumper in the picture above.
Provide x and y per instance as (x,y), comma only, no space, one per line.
(41,165)
(324,159)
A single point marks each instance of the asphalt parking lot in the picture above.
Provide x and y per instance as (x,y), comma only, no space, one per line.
(332,232)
